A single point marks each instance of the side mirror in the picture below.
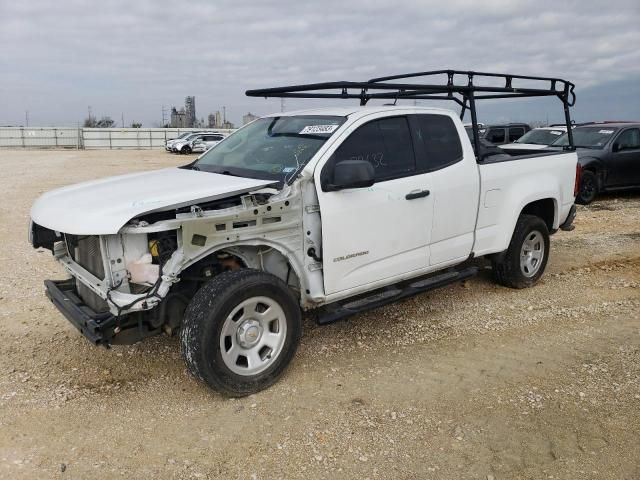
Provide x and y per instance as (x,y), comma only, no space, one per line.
(351,174)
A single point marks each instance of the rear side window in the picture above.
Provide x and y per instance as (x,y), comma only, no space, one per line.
(439,140)
(496,135)
(385,143)
(515,133)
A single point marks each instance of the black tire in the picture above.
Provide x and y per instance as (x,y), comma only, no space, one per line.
(507,268)
(201,333)
(186,150)
(588,188)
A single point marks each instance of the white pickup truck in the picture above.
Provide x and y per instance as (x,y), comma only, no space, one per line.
(335,210)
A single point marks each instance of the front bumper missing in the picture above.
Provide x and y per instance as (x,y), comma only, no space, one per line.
(101,287)
(98,328)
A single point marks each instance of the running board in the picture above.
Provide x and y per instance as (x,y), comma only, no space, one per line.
(337,311)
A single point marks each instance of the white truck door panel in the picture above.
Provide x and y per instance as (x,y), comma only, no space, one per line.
(455,196)
(373,233)
(454,183)
(370,234)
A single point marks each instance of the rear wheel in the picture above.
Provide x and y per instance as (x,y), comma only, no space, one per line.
(588,188)
(524,262)
(240,331)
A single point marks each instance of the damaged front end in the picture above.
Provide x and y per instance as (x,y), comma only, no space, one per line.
(138,282)
(114,289)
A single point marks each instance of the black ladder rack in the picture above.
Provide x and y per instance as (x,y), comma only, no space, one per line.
(465,93)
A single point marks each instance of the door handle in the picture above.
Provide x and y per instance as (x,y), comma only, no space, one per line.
(417,194)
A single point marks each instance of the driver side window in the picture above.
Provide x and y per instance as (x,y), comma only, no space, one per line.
(629,140)
(385,143)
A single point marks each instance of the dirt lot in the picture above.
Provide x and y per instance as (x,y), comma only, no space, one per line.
(471,381)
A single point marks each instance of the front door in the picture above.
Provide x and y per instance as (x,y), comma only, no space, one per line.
(370,234)
(624,163)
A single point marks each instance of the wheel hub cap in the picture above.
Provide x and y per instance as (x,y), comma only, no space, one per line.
(253,335)
(532,253)
(249,333)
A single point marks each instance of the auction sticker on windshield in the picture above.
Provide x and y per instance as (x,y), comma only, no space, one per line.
(315,129)
(606,132)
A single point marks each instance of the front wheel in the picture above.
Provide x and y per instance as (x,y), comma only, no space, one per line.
(524,262)
(240,332)
(186,150)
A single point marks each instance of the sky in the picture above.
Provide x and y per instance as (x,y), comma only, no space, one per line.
(131,58)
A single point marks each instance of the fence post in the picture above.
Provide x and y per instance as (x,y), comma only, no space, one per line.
(110,146)
(22,136)
(55,133)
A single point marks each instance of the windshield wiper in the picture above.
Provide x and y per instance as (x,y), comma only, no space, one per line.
(227,172)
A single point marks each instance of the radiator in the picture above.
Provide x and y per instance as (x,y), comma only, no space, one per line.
(86,252)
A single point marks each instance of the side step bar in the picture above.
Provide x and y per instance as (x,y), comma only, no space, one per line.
(337,311)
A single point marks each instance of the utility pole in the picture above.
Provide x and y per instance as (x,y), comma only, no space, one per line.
(122,119)
(224,115)
(282,104)
(26,117)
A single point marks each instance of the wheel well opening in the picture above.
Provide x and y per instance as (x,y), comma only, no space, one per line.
(169,314)
(544,209)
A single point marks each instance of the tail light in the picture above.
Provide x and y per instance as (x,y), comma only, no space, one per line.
(576,187)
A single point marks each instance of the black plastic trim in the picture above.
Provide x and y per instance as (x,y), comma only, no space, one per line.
(568,225)
(414,195)
(378,298)
(96,327)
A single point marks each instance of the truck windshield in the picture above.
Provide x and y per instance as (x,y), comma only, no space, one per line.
(540,137)
(587,137)
(271,148)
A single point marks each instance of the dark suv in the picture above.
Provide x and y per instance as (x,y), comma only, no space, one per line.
(609,154)
(501,134)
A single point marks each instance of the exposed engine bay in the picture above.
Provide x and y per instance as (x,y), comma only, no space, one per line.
(143,278)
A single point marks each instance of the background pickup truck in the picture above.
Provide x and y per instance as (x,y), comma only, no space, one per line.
(335,210)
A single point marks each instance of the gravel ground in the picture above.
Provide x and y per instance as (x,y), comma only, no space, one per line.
(471,381)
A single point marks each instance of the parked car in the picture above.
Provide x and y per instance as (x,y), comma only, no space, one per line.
(205,142)
(609,154)
(536,139)
(169,143)
(336,210)
(185,144)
